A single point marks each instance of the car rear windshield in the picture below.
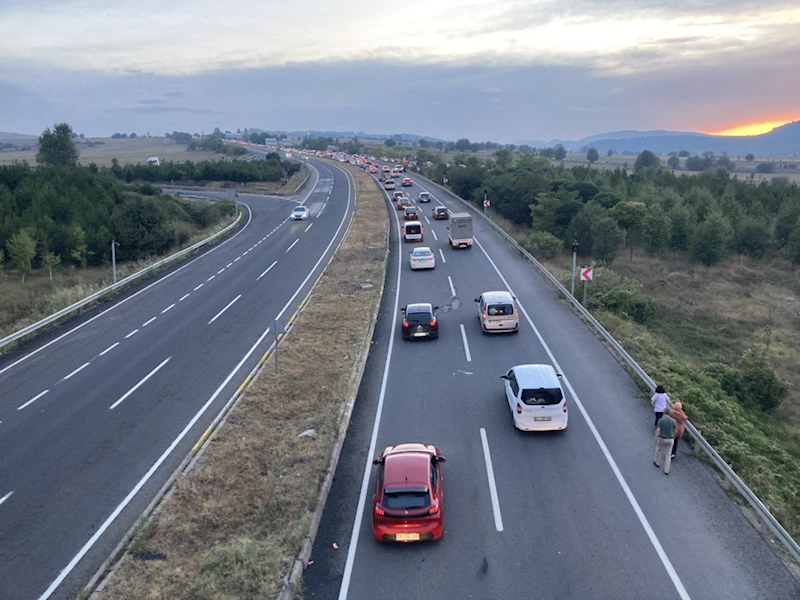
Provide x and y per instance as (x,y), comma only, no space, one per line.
(542,396)
(406,498)
(497,310)
(412,228)
(419,318)
(422,253)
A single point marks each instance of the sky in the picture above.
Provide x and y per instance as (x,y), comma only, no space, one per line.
(483,69)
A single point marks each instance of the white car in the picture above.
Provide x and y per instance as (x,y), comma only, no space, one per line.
(299,213)
(422,258)
(535,398)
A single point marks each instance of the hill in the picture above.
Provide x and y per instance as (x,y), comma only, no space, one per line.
(4,135)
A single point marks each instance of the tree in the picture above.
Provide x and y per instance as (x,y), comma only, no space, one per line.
(698,163)
(592,155)
(21,249)
(683,154)
(752,238)
(629,216)
(765,167)
(674,162)
(463,145)
(610,152)
(646,159)
(793,245)
(559,153)
(724,161)
(656,231)
(2,272)
(504,159)
(57,148)
(749,157)
(606,239)
(423,143)
(50,260)
(710,239)
(389,142)
(133,136)
(680,228)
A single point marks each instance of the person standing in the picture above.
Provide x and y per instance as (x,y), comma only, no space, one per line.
(676,412)
(664,438)
(659,402)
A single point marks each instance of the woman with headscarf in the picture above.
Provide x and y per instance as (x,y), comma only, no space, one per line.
(680,418)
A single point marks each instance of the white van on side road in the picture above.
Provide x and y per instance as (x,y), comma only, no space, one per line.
(497,312)
(535,398)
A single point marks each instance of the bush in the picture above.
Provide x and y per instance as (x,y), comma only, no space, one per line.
(765,167)
(752,238)
(542,244)
(620,295)
(752,381)
(710,239)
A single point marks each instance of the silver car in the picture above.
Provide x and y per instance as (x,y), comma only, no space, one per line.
(299,213)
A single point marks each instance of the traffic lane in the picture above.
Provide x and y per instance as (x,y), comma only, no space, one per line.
(720,541)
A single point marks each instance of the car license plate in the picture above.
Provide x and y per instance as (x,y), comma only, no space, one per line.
(420,334)
(407,537)
(542,418)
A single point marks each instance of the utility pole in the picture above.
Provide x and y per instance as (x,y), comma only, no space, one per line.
(575,247)
(114,245)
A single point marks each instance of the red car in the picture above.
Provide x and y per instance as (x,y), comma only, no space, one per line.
(406,182)
(408,501)
(403,202)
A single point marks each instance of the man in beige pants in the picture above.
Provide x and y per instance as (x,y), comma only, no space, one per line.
(665,433)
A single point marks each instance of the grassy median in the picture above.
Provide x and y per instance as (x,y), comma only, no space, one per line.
(235,523)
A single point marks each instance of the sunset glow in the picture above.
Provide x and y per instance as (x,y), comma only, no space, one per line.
(751,129)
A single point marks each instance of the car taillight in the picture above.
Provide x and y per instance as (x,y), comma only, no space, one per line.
(405,323)
(433,322)
(516,315)
(519,408)
(484,315)
(434,509)
(565,406)
(379,511)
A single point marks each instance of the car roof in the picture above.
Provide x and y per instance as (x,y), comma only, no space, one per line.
(301,207)
(419,307)
(407,465)
(419,248)
(536,376)
(407,223)
(439,208)
(414,208)
(497,296)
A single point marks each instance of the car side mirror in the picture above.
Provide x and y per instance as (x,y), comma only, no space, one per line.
(377,461)
(477,299)
(503,376)
(441,459)
(435,308)
(558,375)
(403,310)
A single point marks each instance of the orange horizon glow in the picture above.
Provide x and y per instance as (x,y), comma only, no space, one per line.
(751,128)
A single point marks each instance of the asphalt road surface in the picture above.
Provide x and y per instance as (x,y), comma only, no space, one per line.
(578,514)
(94,417)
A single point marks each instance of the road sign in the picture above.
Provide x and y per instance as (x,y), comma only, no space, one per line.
(586,274)
(486,204)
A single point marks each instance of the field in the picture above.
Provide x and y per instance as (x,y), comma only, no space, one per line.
(101,150)
(235,522)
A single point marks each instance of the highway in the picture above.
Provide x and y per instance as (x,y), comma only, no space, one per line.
(96,415)
(578,514)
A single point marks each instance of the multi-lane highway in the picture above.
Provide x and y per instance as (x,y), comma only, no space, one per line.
(95,416)
(576,514)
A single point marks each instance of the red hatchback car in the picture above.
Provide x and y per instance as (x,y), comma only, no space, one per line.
(408,501)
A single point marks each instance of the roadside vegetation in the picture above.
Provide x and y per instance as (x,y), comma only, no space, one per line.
(235,523)
(695,276)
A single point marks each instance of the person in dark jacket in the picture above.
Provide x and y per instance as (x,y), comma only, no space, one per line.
(664,438)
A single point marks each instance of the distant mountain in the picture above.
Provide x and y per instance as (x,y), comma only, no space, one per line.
(4,135)
(577,145)
(406,137)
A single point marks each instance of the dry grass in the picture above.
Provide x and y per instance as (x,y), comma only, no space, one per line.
(102,150)
(281,187)
(235,523)
(23,304)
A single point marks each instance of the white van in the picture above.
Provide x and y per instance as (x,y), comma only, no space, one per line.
(535,398)
(497,312)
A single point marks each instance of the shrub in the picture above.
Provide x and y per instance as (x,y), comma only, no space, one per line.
(752,381)
(710,239)
(542,244)
(752,238)
(765,167)
(620,295)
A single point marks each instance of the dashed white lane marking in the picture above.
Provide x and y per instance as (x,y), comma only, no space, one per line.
(132,333)
(219,314)
(198,287)
(170,307)
(267,270)
(140,384)
(428,221)
(444,260)
(229,265)
(110,348)
(324,204)
(292,246)
(210,278)
(452,288)
(6,497)
(434,235)
(466,344)
(309,227)
(146,323)
(498,518)
(245,252)
(184,297)
(31,401)
(237,259)
(76,371)
(220,271)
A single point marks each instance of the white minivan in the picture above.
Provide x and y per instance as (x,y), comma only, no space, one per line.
(536,398)
(497,311)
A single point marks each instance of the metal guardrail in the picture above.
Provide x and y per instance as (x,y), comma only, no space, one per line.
(56,316)
(757,505)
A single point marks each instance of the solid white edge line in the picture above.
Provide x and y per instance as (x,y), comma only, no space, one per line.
(487,457)
(140,384)
(444,260)
(267,270)
(170,307)
(132,333)
(434,234)
(365,482)
(132,296)
(219,314)
(6,497)
(292,246)
(333,239)
(452,287)
(76,371)
(184,297)
(31,401)
(662,555)
(307,228)
(107,523)
(110,348)
(466,344)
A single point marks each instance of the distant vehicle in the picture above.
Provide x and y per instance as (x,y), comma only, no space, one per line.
(408,504)
(299,213)
(399,168)
(382,177)
(395,174)
(153,160)
(386,168)
(403,203)
(497,311)
(419,321)
(440,212)
(460,234)
(424,197)
(535,398)
(412,231)
(410,213)
(422,258)
(406,182)
(389,184)
(396,195)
